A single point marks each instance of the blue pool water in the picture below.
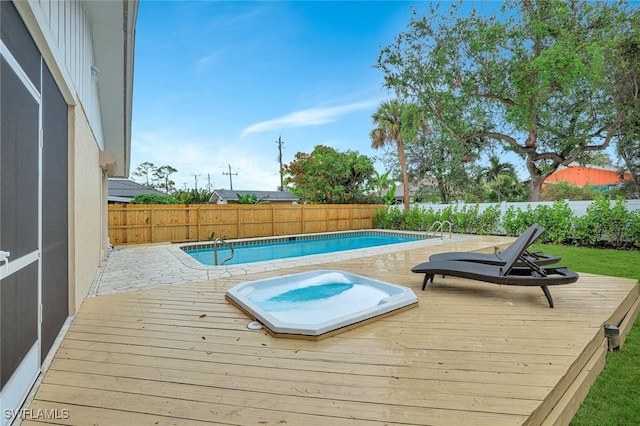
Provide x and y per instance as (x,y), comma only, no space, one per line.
(279,249)
(311,293)
(312,303)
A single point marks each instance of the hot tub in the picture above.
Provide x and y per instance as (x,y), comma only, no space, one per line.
(319,303)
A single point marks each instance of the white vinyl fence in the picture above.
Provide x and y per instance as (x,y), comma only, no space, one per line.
(579,208)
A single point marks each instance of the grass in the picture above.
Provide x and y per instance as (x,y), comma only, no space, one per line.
(614,399)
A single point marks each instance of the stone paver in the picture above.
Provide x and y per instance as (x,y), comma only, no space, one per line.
(135,268)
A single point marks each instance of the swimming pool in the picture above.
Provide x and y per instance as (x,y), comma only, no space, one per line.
(264,249)
(319,303)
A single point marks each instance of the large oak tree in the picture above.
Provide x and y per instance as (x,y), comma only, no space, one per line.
(536,77)
(436,156)
(627,86)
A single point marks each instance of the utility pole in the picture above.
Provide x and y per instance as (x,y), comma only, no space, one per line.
(230,174)
(209,182)
(279,142)
(195,176)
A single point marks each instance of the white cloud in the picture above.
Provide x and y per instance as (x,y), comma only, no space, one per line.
(308,117)
(205,160)
(204,62)
(208,157)
(236,18)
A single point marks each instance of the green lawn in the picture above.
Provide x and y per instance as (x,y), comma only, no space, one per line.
(614,399)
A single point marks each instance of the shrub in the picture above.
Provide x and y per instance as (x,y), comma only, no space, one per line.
(567,191)
(632,231)
(463,221)
(516,220)
(388,219)
(489,221)
(556,220)
(604,223)
(153,199)
(429,217)
(193,196)
(446,214)
(413,220)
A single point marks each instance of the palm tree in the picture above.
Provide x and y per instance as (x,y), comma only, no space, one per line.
(499,176)
(496,169)
(389,121)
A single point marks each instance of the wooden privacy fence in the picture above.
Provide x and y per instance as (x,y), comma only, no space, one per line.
(154,223)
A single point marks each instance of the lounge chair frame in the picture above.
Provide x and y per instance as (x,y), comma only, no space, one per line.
(531,234)
(517,269)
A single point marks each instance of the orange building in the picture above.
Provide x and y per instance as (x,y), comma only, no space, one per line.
(598,177)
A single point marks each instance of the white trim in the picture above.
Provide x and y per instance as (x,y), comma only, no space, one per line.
(21,262)
(17,388)
(48,359)
(38,26)
(40,163)
(15,66)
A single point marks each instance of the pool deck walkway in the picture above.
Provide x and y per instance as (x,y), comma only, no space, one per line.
(157,344)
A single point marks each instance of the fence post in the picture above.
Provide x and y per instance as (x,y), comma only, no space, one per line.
(152,222)
(198,238)
(239,222)
(273,220)
(350,217)
(326,217)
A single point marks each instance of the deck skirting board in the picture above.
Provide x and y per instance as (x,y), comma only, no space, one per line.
(568,405)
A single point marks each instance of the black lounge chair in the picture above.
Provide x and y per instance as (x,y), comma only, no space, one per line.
(530,234)
(531,274)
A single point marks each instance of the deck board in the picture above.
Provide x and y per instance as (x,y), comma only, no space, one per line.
(470,353)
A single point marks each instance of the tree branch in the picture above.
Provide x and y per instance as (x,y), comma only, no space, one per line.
(502,99)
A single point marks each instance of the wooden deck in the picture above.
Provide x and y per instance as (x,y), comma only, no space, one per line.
(470,353)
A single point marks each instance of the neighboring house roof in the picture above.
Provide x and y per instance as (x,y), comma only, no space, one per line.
(413,188)
(124,190)
(587,175)
(227,195)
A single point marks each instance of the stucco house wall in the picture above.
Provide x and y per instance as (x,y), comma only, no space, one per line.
(88,240)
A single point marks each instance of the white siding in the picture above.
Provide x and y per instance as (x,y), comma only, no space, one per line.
(66,26)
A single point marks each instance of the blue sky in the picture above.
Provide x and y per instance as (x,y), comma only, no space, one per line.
(216,84)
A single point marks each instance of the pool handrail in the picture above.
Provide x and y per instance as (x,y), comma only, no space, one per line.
(215,251)
(440,228)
